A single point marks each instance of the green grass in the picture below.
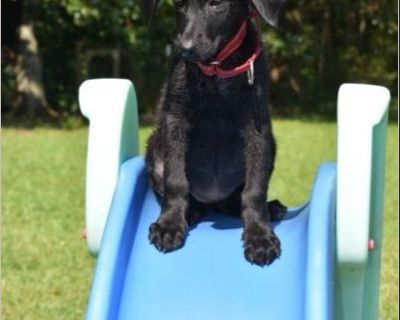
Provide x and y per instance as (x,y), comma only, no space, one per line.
(46,269)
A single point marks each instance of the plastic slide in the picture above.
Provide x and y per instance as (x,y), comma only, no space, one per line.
(329,267)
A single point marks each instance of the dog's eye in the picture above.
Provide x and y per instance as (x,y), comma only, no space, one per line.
(214,3)
(179,4)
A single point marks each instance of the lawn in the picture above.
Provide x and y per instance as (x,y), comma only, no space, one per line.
(46,269)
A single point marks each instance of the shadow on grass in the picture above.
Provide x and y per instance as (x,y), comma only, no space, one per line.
(26,123)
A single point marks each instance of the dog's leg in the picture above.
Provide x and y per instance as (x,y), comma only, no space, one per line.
(169,231)
(261,245)
(155,163)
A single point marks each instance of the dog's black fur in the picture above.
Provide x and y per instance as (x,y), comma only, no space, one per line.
(213,146)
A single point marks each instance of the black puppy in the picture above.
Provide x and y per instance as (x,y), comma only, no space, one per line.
(213,146)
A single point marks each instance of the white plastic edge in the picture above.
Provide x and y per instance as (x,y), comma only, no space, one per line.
(112,139)
(360,108)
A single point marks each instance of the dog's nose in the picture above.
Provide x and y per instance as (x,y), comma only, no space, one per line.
(187,50)
(188,54)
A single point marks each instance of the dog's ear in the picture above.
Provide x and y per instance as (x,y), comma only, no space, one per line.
(149,7)
(269,10)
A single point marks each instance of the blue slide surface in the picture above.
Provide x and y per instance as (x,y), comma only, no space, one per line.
(209,277)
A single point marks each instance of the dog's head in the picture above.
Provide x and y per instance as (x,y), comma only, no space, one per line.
(205,26)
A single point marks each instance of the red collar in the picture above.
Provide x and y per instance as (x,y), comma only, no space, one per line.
(214,69)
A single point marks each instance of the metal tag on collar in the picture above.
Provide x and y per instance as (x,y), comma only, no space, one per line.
(215,65)
(250,74)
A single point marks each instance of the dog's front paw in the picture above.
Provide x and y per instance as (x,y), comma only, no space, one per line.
(167,235)
(261,245)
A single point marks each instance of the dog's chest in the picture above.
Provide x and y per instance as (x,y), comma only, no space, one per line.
(215,159)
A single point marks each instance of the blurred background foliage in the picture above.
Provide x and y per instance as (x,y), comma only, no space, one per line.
(50,46)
